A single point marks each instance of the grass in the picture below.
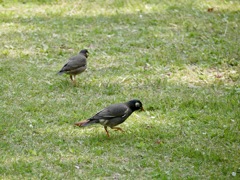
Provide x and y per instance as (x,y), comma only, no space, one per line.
(179,59)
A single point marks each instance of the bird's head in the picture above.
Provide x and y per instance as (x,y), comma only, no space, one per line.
(135,105)
(84,52)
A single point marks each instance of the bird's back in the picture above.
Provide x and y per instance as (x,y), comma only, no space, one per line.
(112,115)
(75,65)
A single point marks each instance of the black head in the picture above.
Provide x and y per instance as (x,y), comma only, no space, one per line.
(84,52)
(135,105)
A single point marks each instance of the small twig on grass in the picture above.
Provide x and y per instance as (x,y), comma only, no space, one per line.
(225,32)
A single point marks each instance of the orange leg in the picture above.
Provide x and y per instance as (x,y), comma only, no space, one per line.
(105,127)
(117,129)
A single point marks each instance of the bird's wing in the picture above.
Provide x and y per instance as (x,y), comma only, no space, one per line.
(112,111)
(74,63)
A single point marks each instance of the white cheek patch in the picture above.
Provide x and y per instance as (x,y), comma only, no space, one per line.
(137,104)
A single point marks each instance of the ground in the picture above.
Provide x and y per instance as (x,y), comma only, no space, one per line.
(180,58)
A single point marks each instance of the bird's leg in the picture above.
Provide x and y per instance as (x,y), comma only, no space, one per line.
(71,77)
(74,80)
(105,127)
(117,129)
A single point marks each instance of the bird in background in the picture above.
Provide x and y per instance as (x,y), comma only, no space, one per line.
(113,115)
(75,65)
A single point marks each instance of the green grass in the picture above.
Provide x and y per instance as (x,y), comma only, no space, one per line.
(181,61)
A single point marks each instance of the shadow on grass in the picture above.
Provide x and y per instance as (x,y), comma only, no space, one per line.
(152,28)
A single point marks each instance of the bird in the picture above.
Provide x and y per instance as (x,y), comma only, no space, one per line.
(75,65)
(113,115)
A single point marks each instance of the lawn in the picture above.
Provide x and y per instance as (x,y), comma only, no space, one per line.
(181,58)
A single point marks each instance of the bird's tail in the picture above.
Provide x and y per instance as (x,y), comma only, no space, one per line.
(83,123)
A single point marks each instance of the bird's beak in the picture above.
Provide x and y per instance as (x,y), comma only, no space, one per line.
(142,109)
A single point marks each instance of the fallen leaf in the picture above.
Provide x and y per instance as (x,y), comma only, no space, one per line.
(210,9)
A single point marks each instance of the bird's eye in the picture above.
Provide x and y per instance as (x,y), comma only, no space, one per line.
(137,104)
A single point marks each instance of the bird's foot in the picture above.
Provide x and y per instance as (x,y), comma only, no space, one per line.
(117,129)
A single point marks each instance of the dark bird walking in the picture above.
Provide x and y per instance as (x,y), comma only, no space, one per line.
(75,65)
(113,115)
